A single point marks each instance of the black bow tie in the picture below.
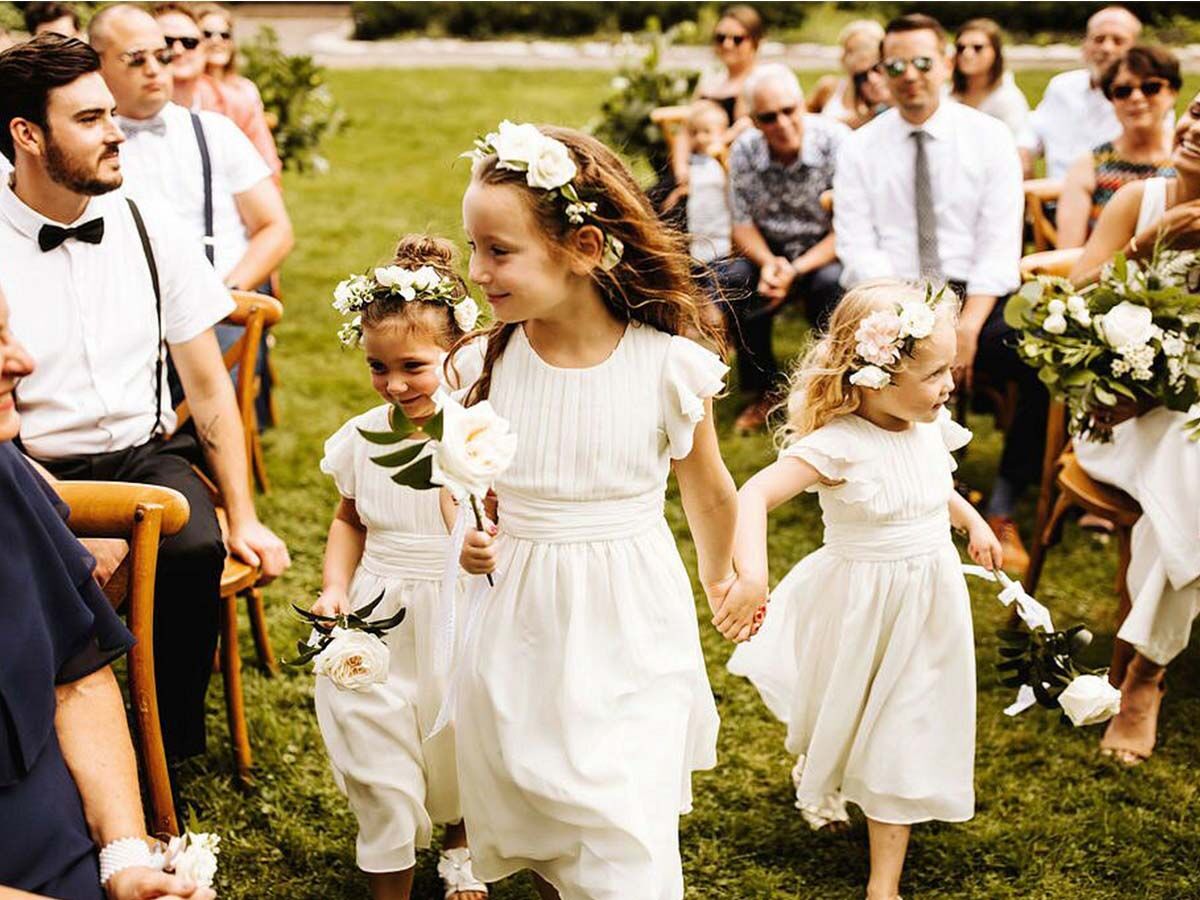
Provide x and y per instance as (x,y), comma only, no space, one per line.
(52,236)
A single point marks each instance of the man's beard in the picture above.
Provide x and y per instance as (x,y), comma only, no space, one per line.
(75,175)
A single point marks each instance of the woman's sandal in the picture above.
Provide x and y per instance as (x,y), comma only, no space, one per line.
(454,868)
(1131,752)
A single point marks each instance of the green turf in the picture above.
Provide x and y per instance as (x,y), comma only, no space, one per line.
(1053,820)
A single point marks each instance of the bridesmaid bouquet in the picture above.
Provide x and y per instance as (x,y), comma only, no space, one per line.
(348,649)
(1133,337)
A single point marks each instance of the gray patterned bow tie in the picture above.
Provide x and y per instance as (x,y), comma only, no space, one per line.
(154,125)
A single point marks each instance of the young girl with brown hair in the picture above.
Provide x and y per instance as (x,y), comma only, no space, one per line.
(584,704)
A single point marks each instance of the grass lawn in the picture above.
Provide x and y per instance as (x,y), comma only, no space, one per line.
(1053,819)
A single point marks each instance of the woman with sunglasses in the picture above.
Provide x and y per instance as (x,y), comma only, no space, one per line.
(862,93)
(1142,88)
(979,78)
(736,37)
(243,101)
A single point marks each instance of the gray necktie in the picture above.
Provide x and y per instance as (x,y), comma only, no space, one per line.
(927,241)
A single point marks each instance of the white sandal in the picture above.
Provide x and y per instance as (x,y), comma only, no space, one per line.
(454,868)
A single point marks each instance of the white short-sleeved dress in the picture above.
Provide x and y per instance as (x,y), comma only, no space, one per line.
(398,784)
(584,704)
(867,651)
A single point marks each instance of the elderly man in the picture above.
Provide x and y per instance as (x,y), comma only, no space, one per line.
(932,189)
(99,284)
(1074,115)
(777,174)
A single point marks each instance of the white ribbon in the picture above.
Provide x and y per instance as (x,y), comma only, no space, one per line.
(1032,613)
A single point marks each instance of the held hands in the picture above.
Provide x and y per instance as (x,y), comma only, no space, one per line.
(142,883)
(256,545)
(736,602)
(983,546)
(775,280)
(478,556)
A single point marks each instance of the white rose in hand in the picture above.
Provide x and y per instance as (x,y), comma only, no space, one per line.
(194,857)
(1089,700)
(552,167)
(353,660)
(476,446)
(516,144)
(1126,325)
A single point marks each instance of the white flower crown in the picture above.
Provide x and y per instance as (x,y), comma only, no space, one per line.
(548,166)
(358,292)
(887,334)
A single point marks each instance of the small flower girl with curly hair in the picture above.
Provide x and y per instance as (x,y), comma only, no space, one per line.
(867,652)
(390,540)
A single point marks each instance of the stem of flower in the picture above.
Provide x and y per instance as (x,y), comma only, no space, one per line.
(479,525)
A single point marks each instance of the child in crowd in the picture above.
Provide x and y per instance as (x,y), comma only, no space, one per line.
(867,652)
(391,540)
(584,704)
(708,219)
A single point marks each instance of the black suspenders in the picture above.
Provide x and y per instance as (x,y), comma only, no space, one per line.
(158,350)
(206,165)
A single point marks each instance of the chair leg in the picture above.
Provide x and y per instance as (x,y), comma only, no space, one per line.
(1042,541)
(235,706)
(143,697)
(258,629)
(1123,651)
(259,462)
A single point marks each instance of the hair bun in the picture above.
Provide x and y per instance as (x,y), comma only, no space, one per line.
(415,250)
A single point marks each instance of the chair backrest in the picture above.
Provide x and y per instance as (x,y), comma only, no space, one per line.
(1050,262)
(1040,192)
(254,312)
(142,514)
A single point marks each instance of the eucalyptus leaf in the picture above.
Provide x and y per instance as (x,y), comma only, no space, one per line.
(400,457)
(383,437)
(364,612)
(417,475)
(435,426)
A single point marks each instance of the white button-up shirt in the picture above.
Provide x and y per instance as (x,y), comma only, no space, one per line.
(168,166)
(975,176)
(1072,118)
(86,314)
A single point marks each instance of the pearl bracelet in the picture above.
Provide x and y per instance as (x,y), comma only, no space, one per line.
(122,854)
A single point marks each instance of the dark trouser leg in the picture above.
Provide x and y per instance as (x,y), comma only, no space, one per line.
(749,329)
(1021,461)
(821,292)
(186,610)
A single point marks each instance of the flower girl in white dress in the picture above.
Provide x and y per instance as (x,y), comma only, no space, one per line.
(867,652)
(391,540)
(584,704)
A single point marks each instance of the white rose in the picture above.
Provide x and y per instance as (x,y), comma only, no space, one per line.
(916,320)
(516,144)
(466,313)
(475,447)
(194,857)
(1054,324)
(353,660)
(871,377)
(1126,324)
(1090,699)
(552,167)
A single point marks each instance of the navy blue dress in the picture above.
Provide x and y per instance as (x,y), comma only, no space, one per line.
(55,627)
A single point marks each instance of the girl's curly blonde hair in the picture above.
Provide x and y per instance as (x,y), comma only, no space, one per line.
(819,388)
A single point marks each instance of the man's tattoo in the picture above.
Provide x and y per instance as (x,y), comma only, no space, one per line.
(207,433)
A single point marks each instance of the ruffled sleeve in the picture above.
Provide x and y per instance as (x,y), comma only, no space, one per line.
(842,459)
(954,436)
(691,375)
(339,459)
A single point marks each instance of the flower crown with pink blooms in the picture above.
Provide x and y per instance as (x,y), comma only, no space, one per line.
(887,334)
(548,166)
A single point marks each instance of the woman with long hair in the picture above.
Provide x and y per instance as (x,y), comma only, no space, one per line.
(980,80)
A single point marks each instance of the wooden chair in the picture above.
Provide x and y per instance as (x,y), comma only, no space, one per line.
(1065,485)
(254,312)
(1039,192)
(141,514)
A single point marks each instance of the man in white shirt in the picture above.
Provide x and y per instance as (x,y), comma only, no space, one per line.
(97,286)
(1074,115)
(932,189)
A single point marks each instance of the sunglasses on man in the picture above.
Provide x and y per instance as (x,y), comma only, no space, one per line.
(188,43)
(135,59)
(896,66)
(1149,88)
(772,116)
(722,37)
(213,35)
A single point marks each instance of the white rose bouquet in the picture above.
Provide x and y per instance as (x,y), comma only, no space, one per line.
(192,855)
(347,649)
(1134,336)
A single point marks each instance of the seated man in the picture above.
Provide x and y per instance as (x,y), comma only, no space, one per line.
(98,287)
(777,174)
(932,189)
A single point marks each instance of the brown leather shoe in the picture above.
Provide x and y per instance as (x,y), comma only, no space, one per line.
(753,417)
(1016,559)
